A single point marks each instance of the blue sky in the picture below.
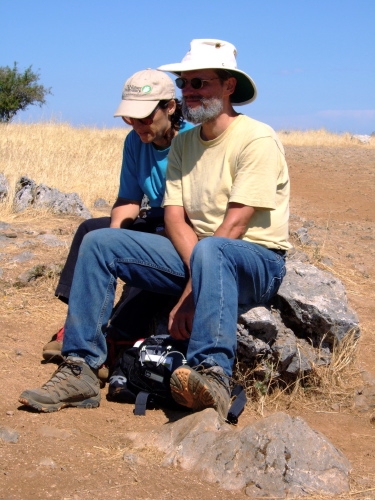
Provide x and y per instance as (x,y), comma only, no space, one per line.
(313,61)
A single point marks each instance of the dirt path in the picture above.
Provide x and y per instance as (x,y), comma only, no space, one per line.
(78,454)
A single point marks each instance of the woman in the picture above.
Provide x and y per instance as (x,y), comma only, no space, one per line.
(149,105)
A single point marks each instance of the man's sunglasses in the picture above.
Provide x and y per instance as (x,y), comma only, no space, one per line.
(195,83)
(145,121)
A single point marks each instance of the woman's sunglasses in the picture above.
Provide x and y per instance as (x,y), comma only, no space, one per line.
(145,121)
(195,83)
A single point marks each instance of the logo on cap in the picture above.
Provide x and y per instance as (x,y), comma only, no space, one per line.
(146,89)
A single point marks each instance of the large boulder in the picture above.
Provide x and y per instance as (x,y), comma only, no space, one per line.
(279,456)
(298,331)
(314,305)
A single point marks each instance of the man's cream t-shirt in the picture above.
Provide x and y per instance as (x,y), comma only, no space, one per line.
(245,164)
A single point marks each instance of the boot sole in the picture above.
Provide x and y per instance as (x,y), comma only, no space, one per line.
(48,408)
(54,356)
(189,390)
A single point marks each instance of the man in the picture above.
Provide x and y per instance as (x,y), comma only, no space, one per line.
(226,216)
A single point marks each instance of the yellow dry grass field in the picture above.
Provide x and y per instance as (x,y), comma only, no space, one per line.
(81,160)
(88,160)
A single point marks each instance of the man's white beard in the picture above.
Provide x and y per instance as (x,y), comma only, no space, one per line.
(208,110)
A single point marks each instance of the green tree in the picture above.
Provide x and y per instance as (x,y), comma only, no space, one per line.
(19,90)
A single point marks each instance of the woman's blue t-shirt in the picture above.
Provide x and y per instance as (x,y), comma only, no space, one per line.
(143,169)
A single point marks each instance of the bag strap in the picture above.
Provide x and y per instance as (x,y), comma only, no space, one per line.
(234,411)
(238,404)
(141,403)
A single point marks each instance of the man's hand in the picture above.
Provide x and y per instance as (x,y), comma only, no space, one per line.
(181,317)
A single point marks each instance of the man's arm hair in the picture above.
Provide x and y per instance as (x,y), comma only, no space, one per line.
(235,221)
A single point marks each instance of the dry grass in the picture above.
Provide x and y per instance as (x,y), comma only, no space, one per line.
(326,387)
(321,138)
(82,160)
(88,160)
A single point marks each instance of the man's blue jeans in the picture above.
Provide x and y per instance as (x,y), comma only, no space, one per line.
(224,272)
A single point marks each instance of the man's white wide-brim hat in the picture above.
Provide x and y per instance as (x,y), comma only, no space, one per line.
(216,54)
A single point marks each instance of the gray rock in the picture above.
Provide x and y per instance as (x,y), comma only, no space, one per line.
(4,225)
(295,254)
(60,203)
(28,194)
(327,261)
(9,435)
(259,321)
(279,456)
(308,223)
(363,139)
(314,305)
(38,271)
(50,240)
(22,257)
(250,347)
(24,194)
(4,187)
(302,235)
(100,203)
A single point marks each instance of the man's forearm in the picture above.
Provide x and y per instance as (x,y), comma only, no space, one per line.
(183,239)
(235,222)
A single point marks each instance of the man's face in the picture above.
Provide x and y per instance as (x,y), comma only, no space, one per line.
(203,104)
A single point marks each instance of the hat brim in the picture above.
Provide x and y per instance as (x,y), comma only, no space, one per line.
(136,109)
(245,92)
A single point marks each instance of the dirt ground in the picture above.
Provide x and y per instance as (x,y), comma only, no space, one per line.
(78,454)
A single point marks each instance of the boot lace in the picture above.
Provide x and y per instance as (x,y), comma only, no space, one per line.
(66,369)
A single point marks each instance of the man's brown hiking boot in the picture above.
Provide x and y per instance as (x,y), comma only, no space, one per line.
(74,383)
(201,388)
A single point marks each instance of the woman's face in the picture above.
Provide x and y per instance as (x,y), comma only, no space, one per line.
(154,127)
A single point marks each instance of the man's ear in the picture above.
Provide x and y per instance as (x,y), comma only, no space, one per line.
(230,85)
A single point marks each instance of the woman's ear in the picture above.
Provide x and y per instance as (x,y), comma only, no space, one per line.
(171,107)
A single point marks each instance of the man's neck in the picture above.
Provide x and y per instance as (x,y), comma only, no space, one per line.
(215,127)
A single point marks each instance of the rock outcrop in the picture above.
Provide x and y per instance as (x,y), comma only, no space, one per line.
(279,456)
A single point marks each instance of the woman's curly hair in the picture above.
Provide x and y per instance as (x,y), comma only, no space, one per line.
(176,118)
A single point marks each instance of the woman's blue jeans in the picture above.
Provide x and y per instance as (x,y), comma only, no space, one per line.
(225,272)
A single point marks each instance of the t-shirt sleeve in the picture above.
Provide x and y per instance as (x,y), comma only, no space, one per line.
(173,188)
(129,185)
(256,174)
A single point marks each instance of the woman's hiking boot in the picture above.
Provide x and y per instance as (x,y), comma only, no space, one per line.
(52,350)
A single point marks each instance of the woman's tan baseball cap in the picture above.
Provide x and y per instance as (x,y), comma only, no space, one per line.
(216,54)
(143,91)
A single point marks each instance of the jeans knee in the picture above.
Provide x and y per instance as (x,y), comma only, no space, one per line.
(203,252)
(95,239)
(95,223)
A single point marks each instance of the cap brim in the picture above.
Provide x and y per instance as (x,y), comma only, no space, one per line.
(136,109)
(245,92)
